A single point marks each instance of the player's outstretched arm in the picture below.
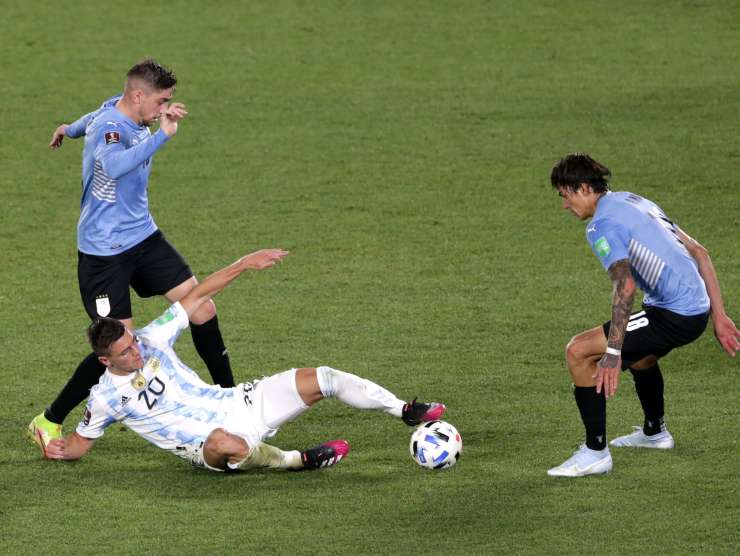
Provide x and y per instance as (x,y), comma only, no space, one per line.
(259,260)
(74,130)
(725,330)
(70,448)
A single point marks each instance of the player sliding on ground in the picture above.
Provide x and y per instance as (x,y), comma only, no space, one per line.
(147,388)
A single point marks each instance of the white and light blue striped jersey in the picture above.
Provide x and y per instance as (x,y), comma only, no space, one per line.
(166,402)
(627,226)
(116,162)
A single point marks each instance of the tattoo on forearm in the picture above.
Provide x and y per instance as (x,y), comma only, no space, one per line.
(624,295)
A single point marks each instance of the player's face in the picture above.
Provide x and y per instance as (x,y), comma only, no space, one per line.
(579,202)
(125,355)
(153,103)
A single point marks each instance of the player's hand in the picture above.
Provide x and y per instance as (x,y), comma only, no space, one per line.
(58,137)
(727,334)
(607,374)
(55,449)
(170,116)
(264,258)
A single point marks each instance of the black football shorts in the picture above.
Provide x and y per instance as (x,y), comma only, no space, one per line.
(655,331)
(152,267)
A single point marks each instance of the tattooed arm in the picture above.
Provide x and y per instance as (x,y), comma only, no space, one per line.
(608,368)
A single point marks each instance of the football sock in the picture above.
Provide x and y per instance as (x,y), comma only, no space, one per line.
(357,392)
(649,386)
(210,346)
(593,414)
(264,455)
(86,376)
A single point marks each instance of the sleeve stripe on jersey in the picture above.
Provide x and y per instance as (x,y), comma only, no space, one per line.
(103,187)
(647,264)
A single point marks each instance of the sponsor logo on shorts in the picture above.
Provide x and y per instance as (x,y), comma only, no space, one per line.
(86,417)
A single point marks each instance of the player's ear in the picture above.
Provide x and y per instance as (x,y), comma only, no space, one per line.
(104,360)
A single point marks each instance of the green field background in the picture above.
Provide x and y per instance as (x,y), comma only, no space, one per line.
(401,151)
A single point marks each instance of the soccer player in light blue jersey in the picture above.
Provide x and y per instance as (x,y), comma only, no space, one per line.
(150,390)
(639,247)
(119,244)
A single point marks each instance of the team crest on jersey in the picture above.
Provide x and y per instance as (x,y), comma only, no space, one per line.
(602,247)
(153,364)
(102,305)
(112,137)
(139,381)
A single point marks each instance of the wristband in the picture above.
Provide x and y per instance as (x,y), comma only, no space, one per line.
(613,351)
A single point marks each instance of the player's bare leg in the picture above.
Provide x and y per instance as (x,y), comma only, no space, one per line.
(582,354)
(227,451)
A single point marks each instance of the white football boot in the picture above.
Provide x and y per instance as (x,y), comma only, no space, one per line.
(584,462)
(638,439)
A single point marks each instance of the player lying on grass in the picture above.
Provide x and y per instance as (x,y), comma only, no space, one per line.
(147,388)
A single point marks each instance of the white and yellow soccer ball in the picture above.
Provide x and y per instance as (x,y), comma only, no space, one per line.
(435,445)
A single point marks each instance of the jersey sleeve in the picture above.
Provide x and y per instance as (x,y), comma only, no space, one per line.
(114,157)
(163,331)
(609,241)
(95,419)
(77,128)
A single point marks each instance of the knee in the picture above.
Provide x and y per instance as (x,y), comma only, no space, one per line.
(309,385)
(575,351)
(204,313)
(223,444)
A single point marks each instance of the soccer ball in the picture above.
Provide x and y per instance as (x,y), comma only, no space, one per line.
(436,445)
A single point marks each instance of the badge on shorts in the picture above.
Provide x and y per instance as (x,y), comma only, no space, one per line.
(602,247)
(102,305)
(112,137)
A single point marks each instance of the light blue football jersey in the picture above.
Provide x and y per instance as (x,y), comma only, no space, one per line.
(116,162)
(166,402)
(627,226)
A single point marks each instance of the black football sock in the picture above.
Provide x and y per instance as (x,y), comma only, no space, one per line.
(86,376)
(593,414)
(649,386)
(210,346)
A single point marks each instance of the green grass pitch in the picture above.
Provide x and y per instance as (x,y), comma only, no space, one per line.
(401,151)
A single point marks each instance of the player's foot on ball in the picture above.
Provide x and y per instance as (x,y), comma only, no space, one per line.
(414,413)
(325,455)
(638,439)
(42,431)
(584,462)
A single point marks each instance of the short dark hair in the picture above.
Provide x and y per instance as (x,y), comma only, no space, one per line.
(576,168)
(153,74)
(103,332)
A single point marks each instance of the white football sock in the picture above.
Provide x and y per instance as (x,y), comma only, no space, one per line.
(357,392)
(264,455)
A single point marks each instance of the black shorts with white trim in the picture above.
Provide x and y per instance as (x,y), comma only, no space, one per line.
(655,331)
